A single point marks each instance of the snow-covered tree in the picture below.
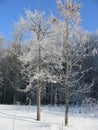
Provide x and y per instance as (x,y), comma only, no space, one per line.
(43,55)
(73,47)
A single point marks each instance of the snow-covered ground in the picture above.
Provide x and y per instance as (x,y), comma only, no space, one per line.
(24,118)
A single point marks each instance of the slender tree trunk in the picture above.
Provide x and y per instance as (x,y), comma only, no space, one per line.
(55,96)
(14,97)
(38,101)
(67,75)
(39,88)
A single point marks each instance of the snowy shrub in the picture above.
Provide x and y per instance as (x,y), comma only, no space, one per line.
(89,105)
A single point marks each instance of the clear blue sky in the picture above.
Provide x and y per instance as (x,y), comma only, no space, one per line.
(10,10)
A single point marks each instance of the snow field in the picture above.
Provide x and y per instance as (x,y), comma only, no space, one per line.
(52,118)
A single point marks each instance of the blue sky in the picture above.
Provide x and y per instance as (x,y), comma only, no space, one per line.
(11,10)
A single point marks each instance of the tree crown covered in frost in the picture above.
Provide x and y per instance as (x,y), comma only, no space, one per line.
(48,36)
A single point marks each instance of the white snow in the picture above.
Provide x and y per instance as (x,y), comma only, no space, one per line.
(24,118)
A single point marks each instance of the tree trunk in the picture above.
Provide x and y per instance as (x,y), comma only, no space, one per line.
(38,101)
(67,76)
(39,88)
(14,96)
